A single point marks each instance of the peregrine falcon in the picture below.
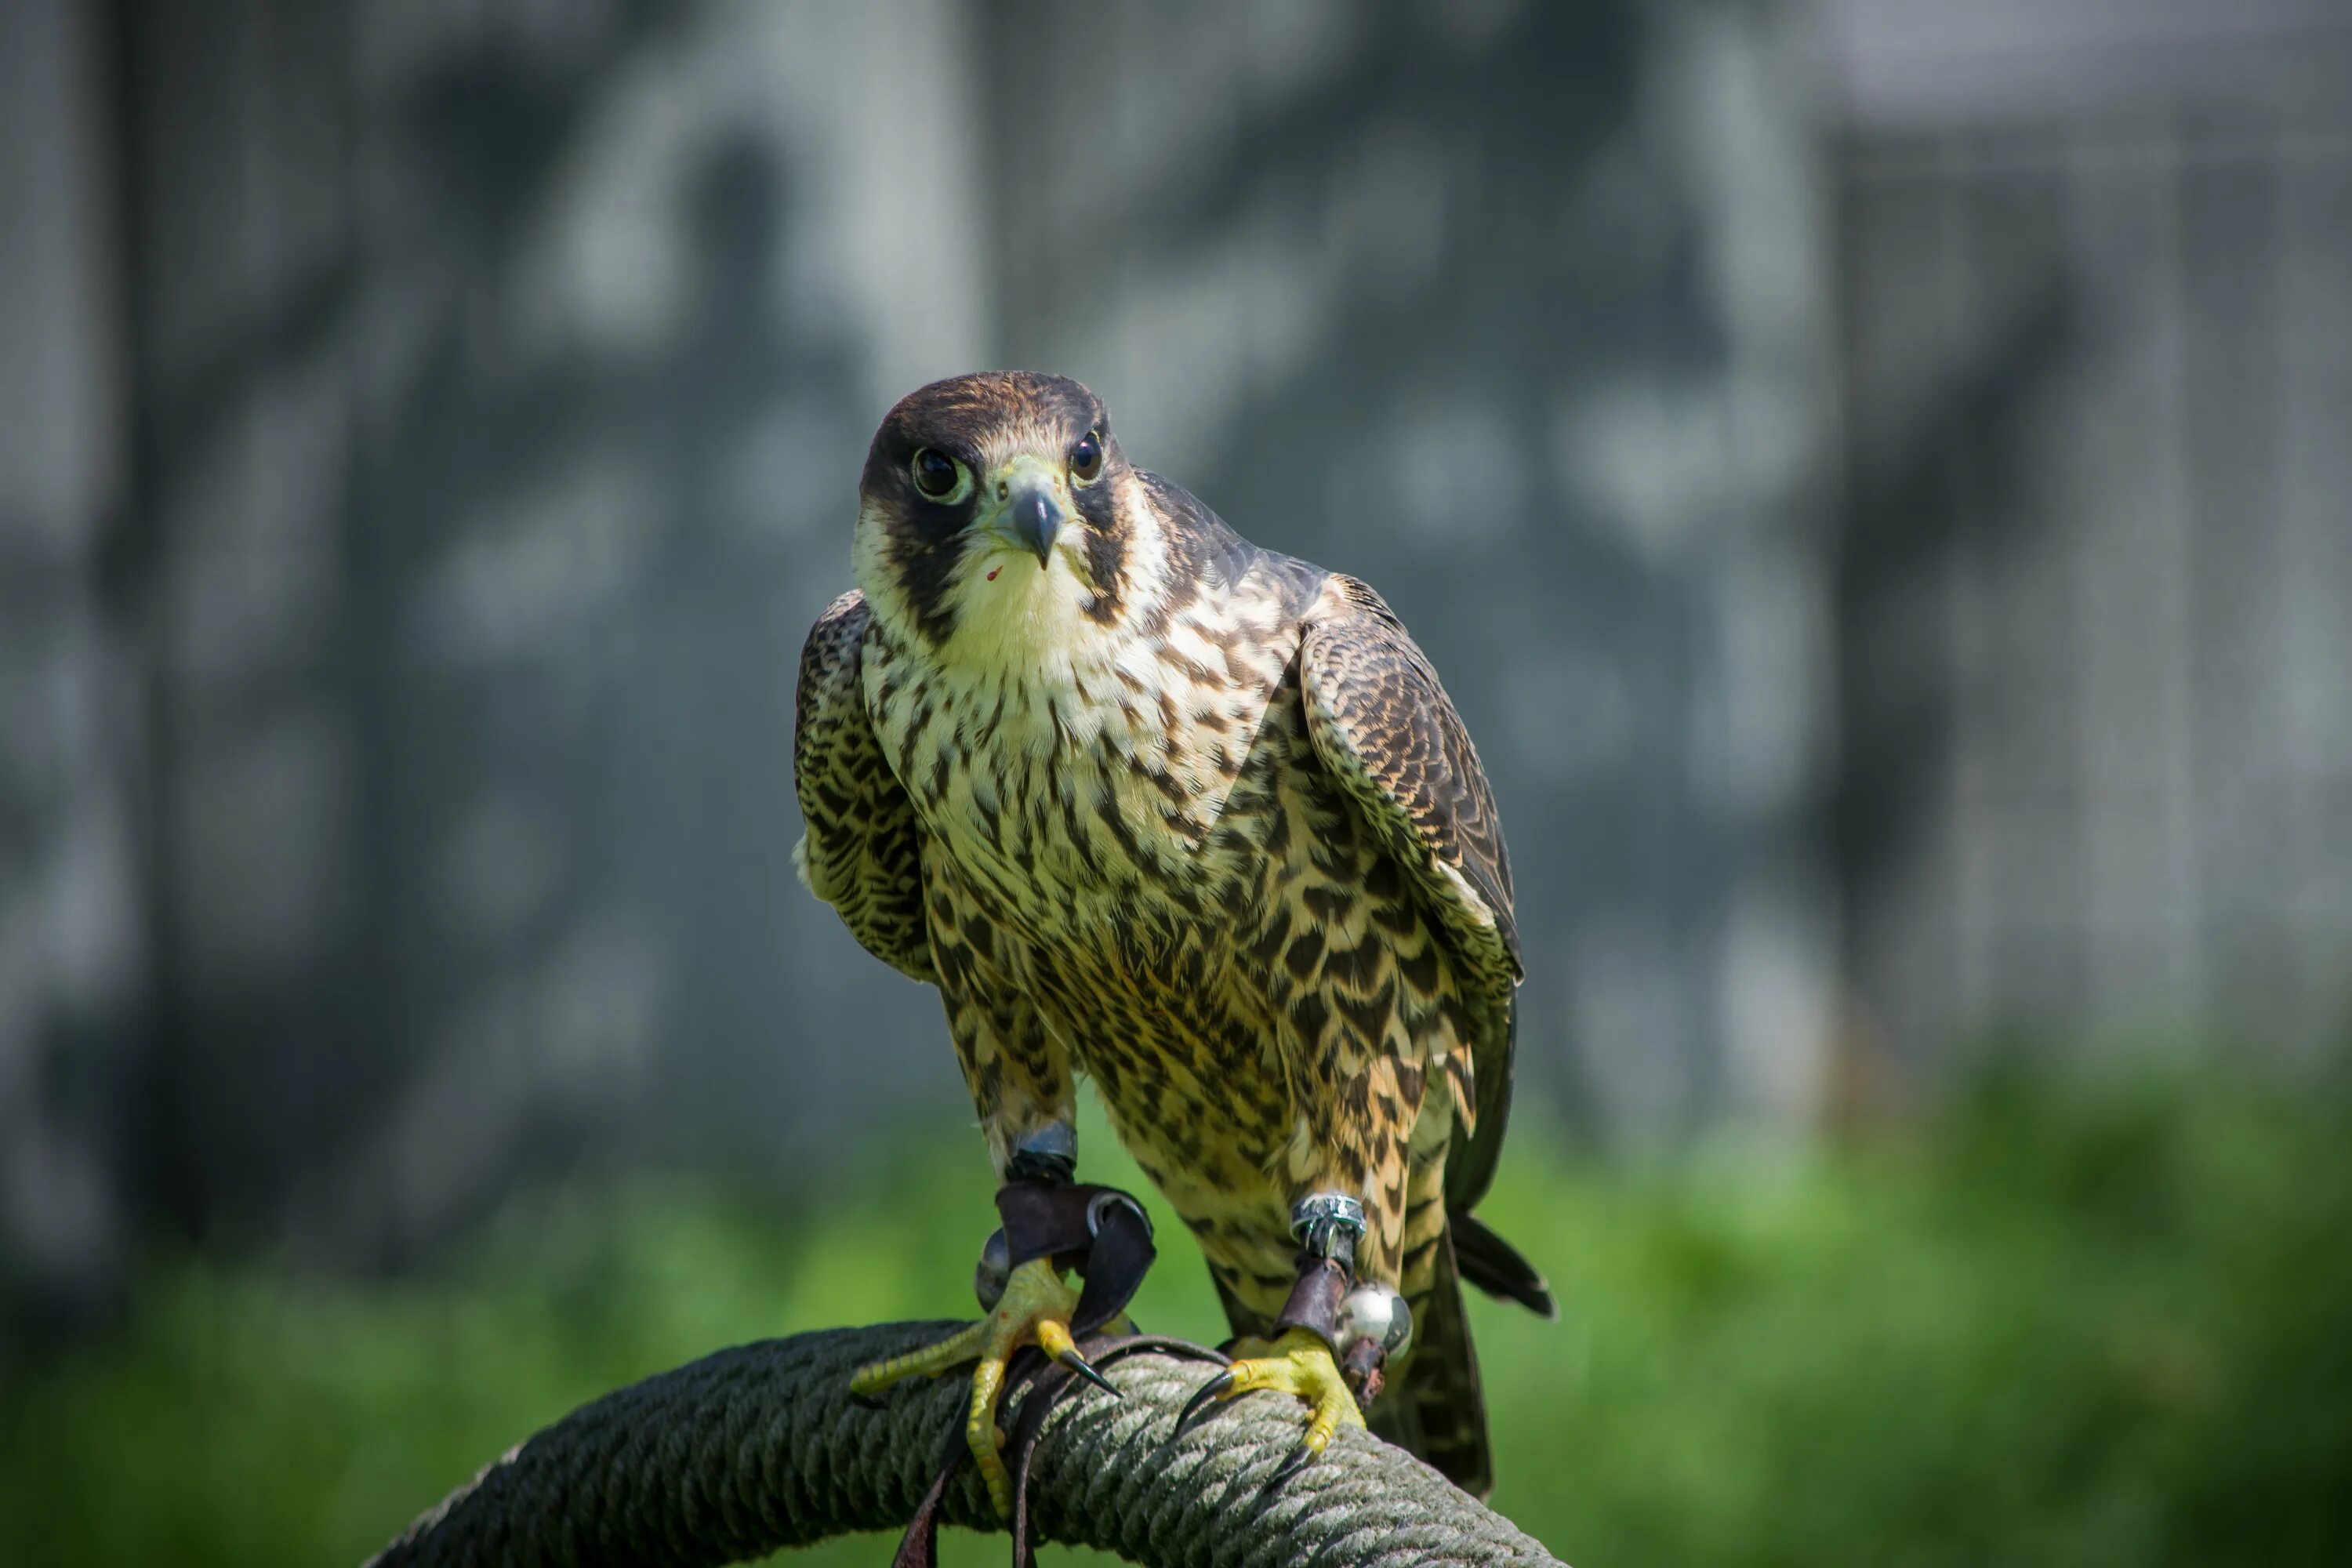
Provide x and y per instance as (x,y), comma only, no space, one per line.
(1151,804)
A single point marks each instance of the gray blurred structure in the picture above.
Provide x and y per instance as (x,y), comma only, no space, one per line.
(1884,519)
(2093,574)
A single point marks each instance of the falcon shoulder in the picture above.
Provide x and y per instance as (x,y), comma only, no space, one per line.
(1382,725)
(863,850)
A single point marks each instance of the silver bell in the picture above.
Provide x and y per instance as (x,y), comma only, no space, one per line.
(995,1268)
(1379,1314)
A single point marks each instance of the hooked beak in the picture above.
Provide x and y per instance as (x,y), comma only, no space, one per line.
(1033,519)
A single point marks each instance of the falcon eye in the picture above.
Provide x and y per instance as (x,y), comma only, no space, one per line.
(939,476)
(1085,459)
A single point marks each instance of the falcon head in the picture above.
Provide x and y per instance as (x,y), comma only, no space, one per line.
(997,519)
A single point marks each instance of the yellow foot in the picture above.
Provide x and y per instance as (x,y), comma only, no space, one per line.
(1298,1364)
(1036,1310)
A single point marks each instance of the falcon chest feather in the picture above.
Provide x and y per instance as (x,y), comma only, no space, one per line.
(1113,809)
(1084,779)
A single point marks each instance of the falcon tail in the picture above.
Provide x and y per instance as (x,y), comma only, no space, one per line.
(1438,1410)
(1496,1267)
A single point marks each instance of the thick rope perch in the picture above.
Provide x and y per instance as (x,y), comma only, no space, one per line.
(759,1447)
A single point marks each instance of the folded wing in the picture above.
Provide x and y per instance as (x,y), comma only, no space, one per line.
(863,850)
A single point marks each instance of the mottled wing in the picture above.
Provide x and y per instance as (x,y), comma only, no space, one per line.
(863,850)
(1384,725)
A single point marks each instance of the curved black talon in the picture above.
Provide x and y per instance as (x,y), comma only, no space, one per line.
(1202,1398)
(1293,1462)
(1085,1369)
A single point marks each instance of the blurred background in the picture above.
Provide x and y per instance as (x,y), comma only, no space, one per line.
(1877,476)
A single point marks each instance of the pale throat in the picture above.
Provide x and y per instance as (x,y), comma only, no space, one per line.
(1017,622)
(1026,650)
(1020,627)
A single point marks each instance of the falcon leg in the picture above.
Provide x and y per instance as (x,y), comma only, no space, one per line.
(1334,1335)
(1051,1226)
(1035,1308)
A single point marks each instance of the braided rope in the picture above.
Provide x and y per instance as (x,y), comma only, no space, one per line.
(761,1446)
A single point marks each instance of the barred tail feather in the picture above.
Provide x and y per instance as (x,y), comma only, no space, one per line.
(1436,1409)
(1496,1267)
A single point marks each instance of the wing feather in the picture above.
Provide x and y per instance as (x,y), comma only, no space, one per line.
(1382,722)
(863,850)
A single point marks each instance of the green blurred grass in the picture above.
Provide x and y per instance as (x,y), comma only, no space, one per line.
(2058,1325)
